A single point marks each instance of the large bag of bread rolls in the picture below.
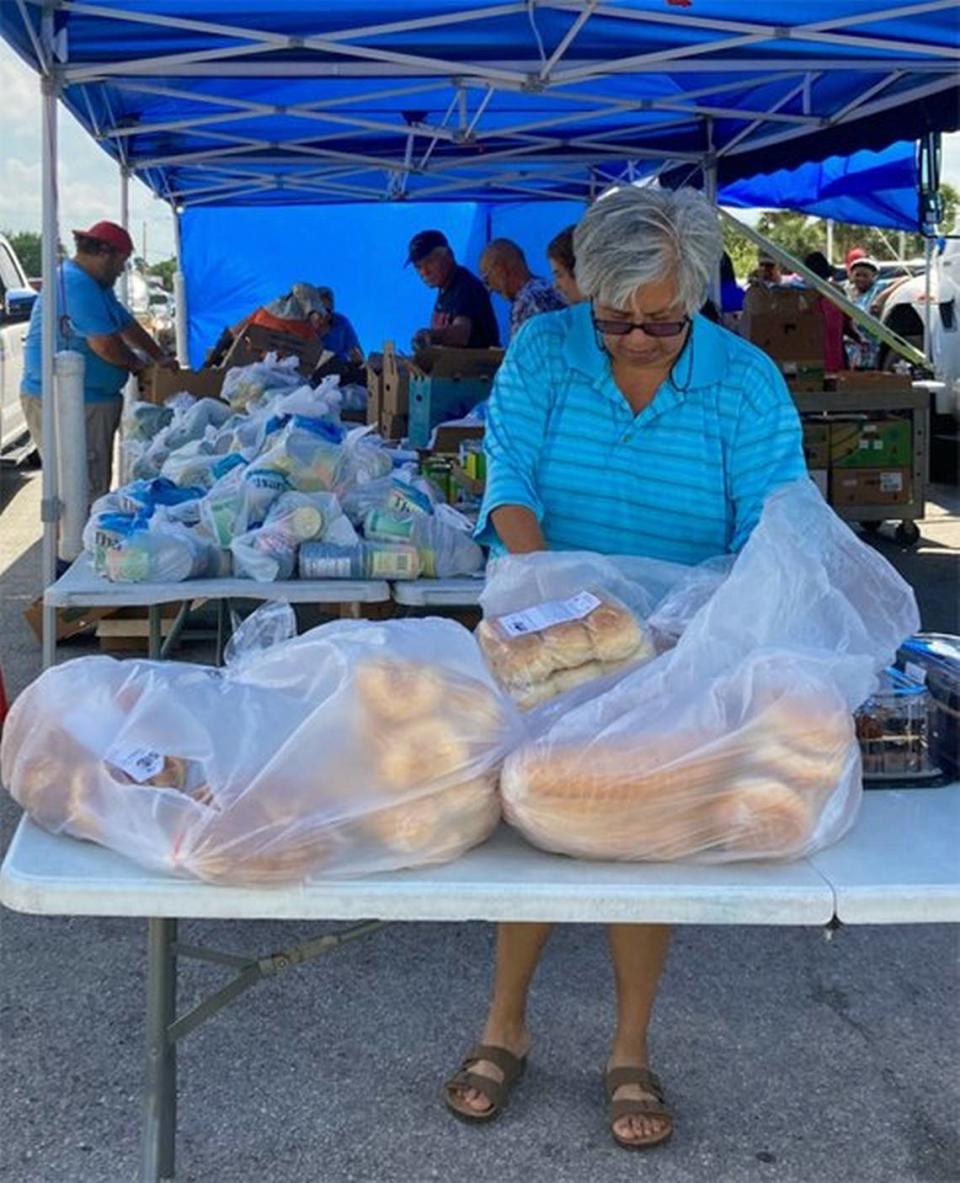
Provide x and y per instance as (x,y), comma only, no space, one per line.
(357,747)
(739,742)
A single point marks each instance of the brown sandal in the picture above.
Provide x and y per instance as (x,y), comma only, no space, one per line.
(496,1091)
(616,1078)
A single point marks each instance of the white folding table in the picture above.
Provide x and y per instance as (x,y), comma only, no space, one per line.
(898,864)
(462,592)
(82,587)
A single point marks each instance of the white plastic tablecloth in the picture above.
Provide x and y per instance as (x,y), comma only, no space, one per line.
(899,864)
(82,587)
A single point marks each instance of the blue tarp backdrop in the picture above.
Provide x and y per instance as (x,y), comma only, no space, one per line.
(236,259)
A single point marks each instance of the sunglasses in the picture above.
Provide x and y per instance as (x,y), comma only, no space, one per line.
(652,328)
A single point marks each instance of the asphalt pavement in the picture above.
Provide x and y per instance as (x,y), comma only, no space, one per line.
(787,1057)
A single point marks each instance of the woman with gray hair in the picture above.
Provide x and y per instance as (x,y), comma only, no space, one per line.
(628,424)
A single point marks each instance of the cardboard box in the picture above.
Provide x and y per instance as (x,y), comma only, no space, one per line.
(873,381)
(447,439)
(444,361)
(396,382)
(816,445)
(394,427)
(70,621)
(806,382)
(255,341)
(870,486)
(820,478)
(784,322)
(156,385)
(871,443)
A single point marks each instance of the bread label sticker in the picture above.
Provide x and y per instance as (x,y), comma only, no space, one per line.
(891,482)
(535,620)
(140,764)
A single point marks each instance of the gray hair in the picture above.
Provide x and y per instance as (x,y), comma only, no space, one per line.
(636,236)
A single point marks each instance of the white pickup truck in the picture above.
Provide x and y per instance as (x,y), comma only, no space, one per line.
(16,300)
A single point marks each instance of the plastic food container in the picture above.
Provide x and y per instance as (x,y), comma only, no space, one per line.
(935,659)
(894,729)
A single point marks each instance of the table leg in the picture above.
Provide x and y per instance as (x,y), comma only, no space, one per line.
(160,1091)
(223,629)
(156,632)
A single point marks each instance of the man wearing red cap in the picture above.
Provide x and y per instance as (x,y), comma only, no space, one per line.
(94,323)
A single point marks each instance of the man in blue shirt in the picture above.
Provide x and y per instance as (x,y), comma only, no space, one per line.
(95,324)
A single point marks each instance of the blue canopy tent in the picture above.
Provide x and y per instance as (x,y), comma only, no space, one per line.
(233,103)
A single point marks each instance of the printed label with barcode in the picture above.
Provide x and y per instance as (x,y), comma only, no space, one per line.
(140,764)
(891,482)
(536,619)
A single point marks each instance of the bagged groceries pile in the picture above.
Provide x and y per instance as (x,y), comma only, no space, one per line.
(266,486)
(613,708)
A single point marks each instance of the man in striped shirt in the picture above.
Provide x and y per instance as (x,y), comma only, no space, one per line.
(628,424)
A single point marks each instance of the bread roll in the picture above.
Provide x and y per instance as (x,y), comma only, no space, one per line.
(764,817)
(406,828)
(420,752)
(397,691)
(516,661)
(474,710)
(568,644)
(614,633)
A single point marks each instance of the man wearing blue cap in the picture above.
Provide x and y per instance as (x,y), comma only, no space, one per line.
(462,315)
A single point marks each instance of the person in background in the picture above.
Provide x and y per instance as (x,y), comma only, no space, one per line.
(335,333)
(94,323)
(865,288)
(563,265)
(626,424)
(836,323)
(851,257)
(462,313)
(503,268)
(731,293)
(293,313)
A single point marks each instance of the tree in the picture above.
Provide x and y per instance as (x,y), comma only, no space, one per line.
(26,246)
(800,233)
(164,272)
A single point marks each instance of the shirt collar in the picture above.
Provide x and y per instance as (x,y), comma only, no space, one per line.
(700,364)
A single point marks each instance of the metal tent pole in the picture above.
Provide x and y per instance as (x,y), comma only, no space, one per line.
(50,502)
(181,322)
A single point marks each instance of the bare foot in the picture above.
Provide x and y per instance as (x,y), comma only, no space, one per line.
(641,1127)
(515,1039)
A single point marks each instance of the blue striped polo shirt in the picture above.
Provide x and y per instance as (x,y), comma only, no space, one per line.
(683,481)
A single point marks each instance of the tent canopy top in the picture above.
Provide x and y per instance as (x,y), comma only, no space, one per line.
(236,102)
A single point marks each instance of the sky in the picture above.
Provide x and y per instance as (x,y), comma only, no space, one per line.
(90,180)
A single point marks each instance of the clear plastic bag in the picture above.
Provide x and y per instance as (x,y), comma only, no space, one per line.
(365,460)
(269,552)
(167,553)
(738,743)
(243,384)
(555,622)
(446,550)
(358,747)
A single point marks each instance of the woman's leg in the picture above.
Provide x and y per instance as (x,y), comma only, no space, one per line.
(639,952)
(518,951)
